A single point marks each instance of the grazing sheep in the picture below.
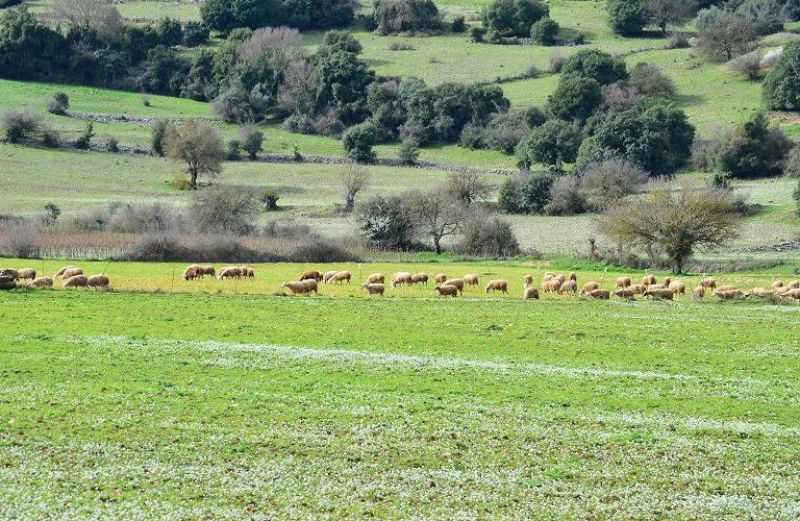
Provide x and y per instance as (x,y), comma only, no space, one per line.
(311,274)
(678,288)
(573,276)
(793,293)
(624,282)
(342,276)
(552,285)
(638,288)
(795,284)
(659,293)
(471,279)
(656,286)
(560,277)
(60,273)
(71,272)
(728,294)
(447,290)
(311,285)
(376,278)
(231,272)
(625,293)
(98,282)
(457,283)
(300,288)
(41,282)
(26,273)
(760,293)
(497,285)
(726,288)
(402,277)
(548,276)
(777,284)
(374,288)
(528,281)
(207,270)
(530,294)
(11,274)
(440,278)
(78,281)
(589,287)
(192,272)
(328,276)
(708,283)
(246,273)
(420,278)
(600,294)
(666,282)
(648,280)
(570,286)
(699,293)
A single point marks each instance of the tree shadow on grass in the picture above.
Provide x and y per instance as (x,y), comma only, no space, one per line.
(689,100)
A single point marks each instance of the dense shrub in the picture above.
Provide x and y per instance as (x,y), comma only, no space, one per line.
(627,17)
(58,104)
(792,167)
(140,218)
(252,140)
(535,116)
(21,240)
(30,49)
(409,152)
(504,132)
(575,98)
(754,149)
(595,64)
(170,32)
(567,197)
(224,210)
(552,143)
(398,16)
(458,25)
(226,15)
(195,34)
(233,150)
(488,236)
(609,182)
(157,135)
(528,193)
(545,31)
(321,251)
(19,125)
(782,85)
(386,222)
(649,80)
(726,35)
(514,17)
(358,142)
(85,139)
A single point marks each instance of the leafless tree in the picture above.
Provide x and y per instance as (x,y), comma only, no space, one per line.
(729,35)
(437,215)
(99,16)
(670,12)
(468,187)
(354,180)
(199,145)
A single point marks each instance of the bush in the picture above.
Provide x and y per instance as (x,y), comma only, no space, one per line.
(252,141)
(233,150)
(567,197)
(611,181)
(505,131)
(782,85)
(85,139)
(158,134)
(793,162)
(144,217)
(158,247)
(319,251)
(170,32)
(678,41)
(796,196)
(409,152)
(180,183)
(19,125)
(112,145)
(488,236)
(224,210)
(627,17)
(556,62)
(535,117)
(398,16)
(21,240)
(545,31)
(58,104)
(649,80)
(477,33)
(748,65)
(52,213)
(358,142)
(754,149)
(575,98)
(458,25)
(514,17)
(597,65)
(528,193)
(553,143)
(195,34)
(269,198)
(386,222)
(50,138)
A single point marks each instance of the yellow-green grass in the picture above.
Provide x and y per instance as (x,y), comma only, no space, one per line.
(119,405)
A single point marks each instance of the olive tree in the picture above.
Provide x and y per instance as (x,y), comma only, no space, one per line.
(197,144)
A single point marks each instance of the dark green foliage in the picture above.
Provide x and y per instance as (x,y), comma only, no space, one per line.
(545,31)
(358,142)
(514,17)
(342,84)
(85,139)
(409,152)
(534,116)
(755,149)
(387,109)
(658,139)
(528,193)
(200,84)
(163,72)
(386,222)
(269,198)
(649,80)
(595,64)
(458,25)
(575,98)
(782,85)
(233,151)
(170,32)
(627,17)
(158,133)
(20,125)
(476,33)
(397,16)
(30,49)
(552,143)
(226,15)
(58,104)
(504,131)
(252,141)
(195,34)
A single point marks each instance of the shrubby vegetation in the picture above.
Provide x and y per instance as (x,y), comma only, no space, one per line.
(782,85)
(400,16)
(226,15)
(514,17)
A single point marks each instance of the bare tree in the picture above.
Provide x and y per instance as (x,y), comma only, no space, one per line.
(354,180)
(611,181)
(468,187)
(675,219)
(199,145)
(98,16)
(727,36)
(437,215)
(670,12)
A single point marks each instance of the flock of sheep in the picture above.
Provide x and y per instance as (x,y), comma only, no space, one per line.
(72,276)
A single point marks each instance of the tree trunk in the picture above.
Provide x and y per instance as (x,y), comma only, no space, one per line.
(437,246)
(193,180)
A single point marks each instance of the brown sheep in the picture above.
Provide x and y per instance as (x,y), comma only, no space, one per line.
(666,282)
(78,281)
(728,294)
(497,285)
(440,278)
(793,293)
(656,286)
(192,272)
(624,282)
(589,287)
(530,294)
(573,276)
(420,278)
(678,288)
(98,282)
(26,273)
(727,288)
(649,280)
(760,293)
(447,290)
(231,272)
(552,286)
(699,293)
(471,279)
(625,293)
(41,282)
(299,288)
(311,274)
(71,272)
(376,278)
(246,273)
(777,284)
(328,275)
(659,294)
(560,277)
(402,277)
(708,283)
(60,273)
(207,270)
(456,283)
(600,294)
(638,288)
(795,284)
(342,276)
(528,281)
(570,286)
(548,276)
(374,288)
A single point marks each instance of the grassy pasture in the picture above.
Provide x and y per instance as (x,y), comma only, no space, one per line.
(229,406)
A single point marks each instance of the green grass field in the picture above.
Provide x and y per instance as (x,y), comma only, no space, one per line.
(180,406)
